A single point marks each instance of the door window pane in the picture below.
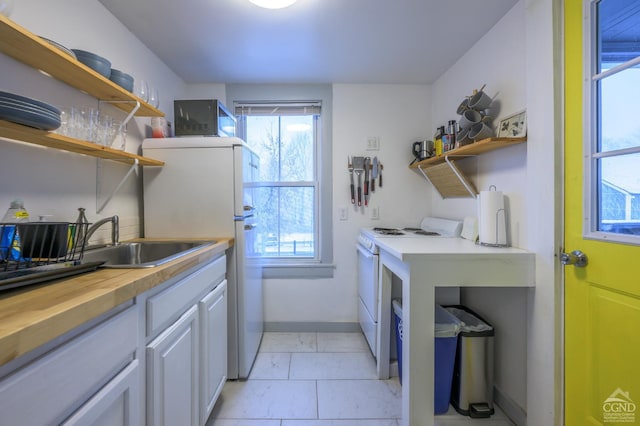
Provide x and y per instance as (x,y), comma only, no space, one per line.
(615,150)
(620,194)
(617,36)
(620,119)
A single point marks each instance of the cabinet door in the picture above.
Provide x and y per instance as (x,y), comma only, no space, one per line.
(60,382)
(172,374)
(213,344)
(116,404)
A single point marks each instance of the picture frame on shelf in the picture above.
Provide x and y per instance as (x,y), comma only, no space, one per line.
(513,126)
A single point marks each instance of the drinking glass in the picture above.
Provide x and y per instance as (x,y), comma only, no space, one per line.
(119,136)
(154,100)
(65,124)
(141,89)
(92,124)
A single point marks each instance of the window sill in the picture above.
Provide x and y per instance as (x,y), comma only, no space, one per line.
(298,270)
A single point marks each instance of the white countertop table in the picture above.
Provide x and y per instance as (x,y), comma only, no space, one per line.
(423,264)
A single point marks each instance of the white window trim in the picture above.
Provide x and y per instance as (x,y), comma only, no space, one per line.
(590,143)
(323,266)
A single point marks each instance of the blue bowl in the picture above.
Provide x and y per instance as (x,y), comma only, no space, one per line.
(122,79)
(97,63)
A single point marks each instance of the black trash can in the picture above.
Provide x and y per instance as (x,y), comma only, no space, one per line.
(472,387)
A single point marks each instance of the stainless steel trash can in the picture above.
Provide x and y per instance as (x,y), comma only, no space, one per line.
(472,387)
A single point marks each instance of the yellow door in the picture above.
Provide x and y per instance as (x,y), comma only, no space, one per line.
(602,299)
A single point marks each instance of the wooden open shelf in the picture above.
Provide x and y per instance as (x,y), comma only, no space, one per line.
(31,50)
(53,140)
(480,147)
(445,176)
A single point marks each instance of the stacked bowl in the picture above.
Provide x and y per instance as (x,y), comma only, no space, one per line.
(122,79)
(97,63)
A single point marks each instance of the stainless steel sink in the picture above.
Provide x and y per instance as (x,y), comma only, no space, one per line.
(146,254)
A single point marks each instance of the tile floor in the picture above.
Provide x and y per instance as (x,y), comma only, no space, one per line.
(318,379)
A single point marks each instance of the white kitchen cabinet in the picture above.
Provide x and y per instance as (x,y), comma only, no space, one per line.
(158,359)
(213,348)
(56,384)
(172,374)
(187,355)
(117,404)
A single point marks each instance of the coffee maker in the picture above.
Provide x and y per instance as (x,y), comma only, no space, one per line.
(422,150)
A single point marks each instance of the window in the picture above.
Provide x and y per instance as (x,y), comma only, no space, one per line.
(288,130)
(614,139)
(285,137)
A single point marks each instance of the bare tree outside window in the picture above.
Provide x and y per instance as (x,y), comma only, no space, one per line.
(286,191)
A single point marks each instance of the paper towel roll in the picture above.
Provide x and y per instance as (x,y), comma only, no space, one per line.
(492,222)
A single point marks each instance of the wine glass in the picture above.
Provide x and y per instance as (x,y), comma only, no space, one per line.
(141,89)
(154,100)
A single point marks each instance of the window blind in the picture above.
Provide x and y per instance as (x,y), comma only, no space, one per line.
(277,108)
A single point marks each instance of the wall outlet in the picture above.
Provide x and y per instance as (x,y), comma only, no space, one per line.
(373,143)
(343,212)
(375,213)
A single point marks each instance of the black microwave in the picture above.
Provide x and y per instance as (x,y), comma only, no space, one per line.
(203,117)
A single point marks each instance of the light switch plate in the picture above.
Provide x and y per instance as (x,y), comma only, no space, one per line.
(373,143)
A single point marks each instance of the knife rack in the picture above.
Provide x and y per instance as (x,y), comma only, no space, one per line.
(357,165)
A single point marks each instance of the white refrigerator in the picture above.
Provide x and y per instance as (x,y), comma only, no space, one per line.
(203,191)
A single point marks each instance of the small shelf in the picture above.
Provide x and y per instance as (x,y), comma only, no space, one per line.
(31,50)
(480,147)
(53,140)
(445,176)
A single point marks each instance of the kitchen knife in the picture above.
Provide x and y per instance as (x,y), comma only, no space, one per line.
(374,174)
(380,167)
(358,166)
(352,186)
(367,160)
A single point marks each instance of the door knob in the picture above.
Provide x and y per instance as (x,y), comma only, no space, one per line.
(576,258)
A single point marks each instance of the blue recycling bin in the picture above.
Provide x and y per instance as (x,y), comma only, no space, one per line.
(447,327)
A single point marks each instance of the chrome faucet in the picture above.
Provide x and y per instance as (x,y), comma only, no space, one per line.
(115,229)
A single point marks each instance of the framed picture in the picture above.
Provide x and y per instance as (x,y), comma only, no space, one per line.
(514,126)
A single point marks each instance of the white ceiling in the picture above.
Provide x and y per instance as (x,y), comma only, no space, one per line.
(313,41)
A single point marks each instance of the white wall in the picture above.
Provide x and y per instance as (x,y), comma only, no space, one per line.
(57,183)
(397,115)
(515,61)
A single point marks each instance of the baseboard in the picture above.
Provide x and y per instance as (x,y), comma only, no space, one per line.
(512,410)
(312,327)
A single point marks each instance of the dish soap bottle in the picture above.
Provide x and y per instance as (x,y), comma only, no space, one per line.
(10,241)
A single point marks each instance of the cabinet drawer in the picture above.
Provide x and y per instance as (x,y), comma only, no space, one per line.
(47,390)
(167,306)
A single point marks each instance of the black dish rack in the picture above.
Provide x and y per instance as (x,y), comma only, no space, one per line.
(34,252)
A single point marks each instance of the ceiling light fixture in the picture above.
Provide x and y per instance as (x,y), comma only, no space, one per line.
(273,4)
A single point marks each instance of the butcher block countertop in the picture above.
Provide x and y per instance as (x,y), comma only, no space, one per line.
(33,315)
